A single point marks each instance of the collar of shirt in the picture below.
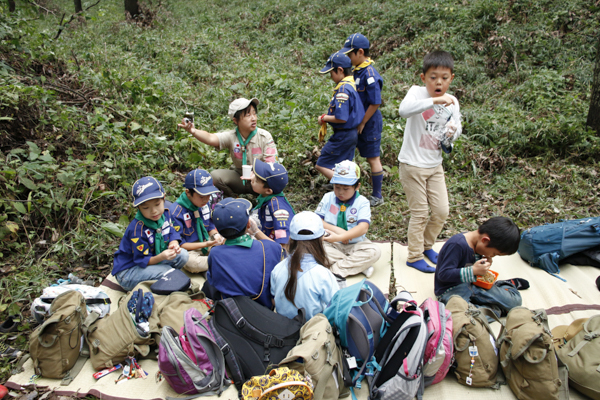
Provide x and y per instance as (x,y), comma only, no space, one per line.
(244,241)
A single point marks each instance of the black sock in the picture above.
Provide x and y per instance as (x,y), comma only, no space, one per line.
(598,282)
(519,283)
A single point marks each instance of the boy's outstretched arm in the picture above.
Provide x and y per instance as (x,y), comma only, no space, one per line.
(203,136)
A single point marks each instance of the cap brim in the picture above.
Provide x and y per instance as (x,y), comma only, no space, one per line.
(206,190)
(326,69)
(148,197)
(346,50)
(343,181)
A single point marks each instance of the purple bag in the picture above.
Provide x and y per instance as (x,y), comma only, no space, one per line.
(186,376)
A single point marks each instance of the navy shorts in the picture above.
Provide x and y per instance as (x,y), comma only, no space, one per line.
(340,147)
(369,141)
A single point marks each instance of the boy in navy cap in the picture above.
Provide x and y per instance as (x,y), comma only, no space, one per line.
(242,267)
(368,85)
(150,246)
(346,217)
(344,114)
(191,218)
(272,209)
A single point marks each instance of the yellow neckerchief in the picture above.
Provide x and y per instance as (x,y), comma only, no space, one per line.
(349,80)
(363,65)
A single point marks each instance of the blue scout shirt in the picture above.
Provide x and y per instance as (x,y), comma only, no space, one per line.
(455,264)
(137,245)
(275,217)
(346,105)
(368,85)
(184,222)
(359,210)
(242,271)
(315,286)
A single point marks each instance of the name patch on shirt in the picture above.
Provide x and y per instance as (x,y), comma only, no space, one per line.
(370,80)
(280,234)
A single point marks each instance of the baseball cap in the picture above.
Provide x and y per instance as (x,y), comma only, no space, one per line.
(146,188)
(241,104)
(200,181)
(355,41)
(306,221)
(232,214)
(336,60)
(345,173)
(274,174)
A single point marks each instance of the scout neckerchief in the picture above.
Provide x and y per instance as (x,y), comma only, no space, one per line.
(365,64)
(260,200)
(341,217)
(349,80)
(244,145)
(159,242)
(244,240)
(184,201)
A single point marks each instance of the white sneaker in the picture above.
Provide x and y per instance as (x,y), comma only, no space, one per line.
(369,271)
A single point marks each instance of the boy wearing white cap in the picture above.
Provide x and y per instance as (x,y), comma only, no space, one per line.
(245,143)
(346,217)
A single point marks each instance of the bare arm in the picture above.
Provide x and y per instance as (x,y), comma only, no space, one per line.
(207,138)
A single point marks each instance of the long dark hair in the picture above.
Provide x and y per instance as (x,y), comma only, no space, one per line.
(298,248)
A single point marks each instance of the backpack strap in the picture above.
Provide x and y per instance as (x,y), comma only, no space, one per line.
(105,300)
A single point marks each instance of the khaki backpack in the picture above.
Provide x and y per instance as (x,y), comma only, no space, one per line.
(527,356)
(581,354)
(473,340)
(112,338)
(55,345)
(318,355)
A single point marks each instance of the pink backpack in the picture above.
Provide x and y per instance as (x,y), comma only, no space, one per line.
(439,350)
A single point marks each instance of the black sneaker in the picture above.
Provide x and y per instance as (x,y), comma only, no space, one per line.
(9,352)
(10,325)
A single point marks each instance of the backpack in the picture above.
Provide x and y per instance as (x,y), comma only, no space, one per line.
(544,246)
(473,340)
(358,314)
(581,354)
(55,345)
(439,352)
(397,364)
(318,355)
(281,383)
(527,355)
(251,336)
(197,367)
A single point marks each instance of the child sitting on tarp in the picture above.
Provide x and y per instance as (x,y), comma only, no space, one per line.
(465,256)
(150,246)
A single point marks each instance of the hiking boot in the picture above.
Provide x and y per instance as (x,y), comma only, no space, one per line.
(9,352)
(376,201)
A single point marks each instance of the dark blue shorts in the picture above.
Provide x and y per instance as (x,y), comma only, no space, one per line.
(369,141)
(340,147)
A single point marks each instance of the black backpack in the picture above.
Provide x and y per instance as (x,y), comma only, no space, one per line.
(252,338)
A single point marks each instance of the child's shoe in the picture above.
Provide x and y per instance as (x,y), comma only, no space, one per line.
(9,352)
(432,255)
(376,201)
(422,266)
(10,325)
(369,271)
(519,283)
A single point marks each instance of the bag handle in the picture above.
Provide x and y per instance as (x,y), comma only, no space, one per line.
(284,385)
(262,287)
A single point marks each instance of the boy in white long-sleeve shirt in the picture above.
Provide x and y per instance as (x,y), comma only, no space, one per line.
(433,123)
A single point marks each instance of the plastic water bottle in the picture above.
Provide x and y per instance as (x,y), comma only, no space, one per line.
(75,279)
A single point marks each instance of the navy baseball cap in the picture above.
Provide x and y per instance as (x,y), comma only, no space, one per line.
(345,173)
(232,214)
(355,41)
(336,60)
(274,174)
(146,188)
(201,182)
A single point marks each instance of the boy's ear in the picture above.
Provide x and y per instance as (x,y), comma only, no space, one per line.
(269,191)
(423,77)
(485,239)
(360,52)
(358,187)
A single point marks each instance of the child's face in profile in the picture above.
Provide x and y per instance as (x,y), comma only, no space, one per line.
(258,186)
(152,209)
(197,199)
(344,192)
(337,74)
(437,80)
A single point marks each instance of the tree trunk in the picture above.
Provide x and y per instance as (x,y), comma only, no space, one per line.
(78,7)
(131,7)
(593,119)
(11,5)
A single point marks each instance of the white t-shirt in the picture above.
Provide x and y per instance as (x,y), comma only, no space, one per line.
(420,147)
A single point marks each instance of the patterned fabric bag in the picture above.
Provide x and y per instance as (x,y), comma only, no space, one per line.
(281,384)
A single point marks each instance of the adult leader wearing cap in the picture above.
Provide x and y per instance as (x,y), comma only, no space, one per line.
(242,267)
(245,143)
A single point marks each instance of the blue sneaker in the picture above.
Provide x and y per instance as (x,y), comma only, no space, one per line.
(136,298)
(422,266)
(432,255)
(145,311)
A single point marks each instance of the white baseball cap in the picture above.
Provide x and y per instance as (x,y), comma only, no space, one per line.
(345,173)
(241,104)
(306,221)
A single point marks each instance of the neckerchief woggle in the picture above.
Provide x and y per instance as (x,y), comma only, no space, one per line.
(260,200)
(341,217)
(159,241)
(364,64)
(244,144)
(184,201)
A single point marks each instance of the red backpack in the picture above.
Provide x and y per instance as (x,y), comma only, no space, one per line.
(439,350)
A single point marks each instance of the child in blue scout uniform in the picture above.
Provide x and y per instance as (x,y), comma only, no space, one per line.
(191,218)
(273,209)
(344,114)
(303,280)
(346,217)
(457,267)
(242,267)
(368,85)
(150,246)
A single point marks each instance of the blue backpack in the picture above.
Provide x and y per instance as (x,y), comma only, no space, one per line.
(358,313)
(544,246)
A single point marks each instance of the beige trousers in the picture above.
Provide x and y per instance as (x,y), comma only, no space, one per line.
(425,189)
(229,181)
(352,259)
(197,262)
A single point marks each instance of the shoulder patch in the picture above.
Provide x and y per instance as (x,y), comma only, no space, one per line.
(370,80)
(341,96)
(135,240)
(140,247)
(281,214)
(357,81)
